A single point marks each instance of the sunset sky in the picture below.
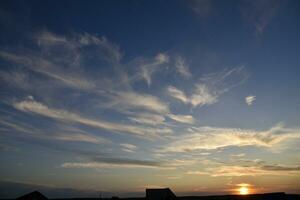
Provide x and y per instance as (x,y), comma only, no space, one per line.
(118,96)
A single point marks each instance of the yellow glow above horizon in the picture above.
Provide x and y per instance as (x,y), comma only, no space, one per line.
(243,190)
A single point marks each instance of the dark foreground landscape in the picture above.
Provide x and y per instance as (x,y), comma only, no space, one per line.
(167,194)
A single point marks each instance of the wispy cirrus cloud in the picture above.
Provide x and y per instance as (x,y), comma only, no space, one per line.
(259,13)
(32,106)
(210,87)
(128,147)
(274,170)
(115,162)
(201,96)
(148,68)
(45,67)
(63,59)
(182,68)
(101,162)
(250,99)
(202,8)
(209,138)
(62,133)
(188,119)
(132,100)
(178,94)
(147,118)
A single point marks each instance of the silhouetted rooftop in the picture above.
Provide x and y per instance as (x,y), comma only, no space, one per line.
(33,196)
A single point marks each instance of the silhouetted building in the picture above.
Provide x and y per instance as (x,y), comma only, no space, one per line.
(33,196)
(160,194)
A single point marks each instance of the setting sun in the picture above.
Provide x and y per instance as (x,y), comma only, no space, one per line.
(243,190)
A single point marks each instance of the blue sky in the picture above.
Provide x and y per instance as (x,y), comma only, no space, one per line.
(116,96)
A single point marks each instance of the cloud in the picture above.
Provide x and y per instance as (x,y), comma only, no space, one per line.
(128,147)
(49,38)
(148,118)
(177,94)
(63,59)
(45,67)
(201,96)
(197,173)
(113,163)
(147,69)
(280,168)
(182,67)
(210,87)
(79,137)
(259,13)
(63,133)
(130,99)
(32,106)
(210,138)
(202,8)
(73,44)
(188,119)
(250,99)
(274,170)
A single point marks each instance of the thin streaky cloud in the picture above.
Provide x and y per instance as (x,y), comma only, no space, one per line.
(133,100)
(212,138)
(147,118)
(32,106)
(182,67)
(188,119)
(232,171)
(148,69)
(63,134)
(177,94)
(45,67)
(250,99)
(259,14)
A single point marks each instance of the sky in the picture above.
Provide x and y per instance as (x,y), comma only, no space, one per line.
(114,97)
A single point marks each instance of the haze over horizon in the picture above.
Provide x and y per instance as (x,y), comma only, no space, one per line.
(118,96)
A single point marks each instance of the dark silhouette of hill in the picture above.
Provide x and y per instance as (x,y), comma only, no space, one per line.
(167,194)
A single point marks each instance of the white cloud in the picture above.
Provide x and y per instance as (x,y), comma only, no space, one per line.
(210,138)
(45,67)
(130,99)
(148,118)
(188,119)
(274,170)
(63,134)
(41,109)
(128,147)
(177,94)
(250,99)
(78,137)
(97,165)
(202,95)
(110,51)
(210,87)
(197,173)
(182,67)
(147,69)
(99,162)
(49,38)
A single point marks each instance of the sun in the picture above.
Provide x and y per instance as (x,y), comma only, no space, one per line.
(243,190)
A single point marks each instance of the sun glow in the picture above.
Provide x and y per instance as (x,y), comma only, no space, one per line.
(243,190)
